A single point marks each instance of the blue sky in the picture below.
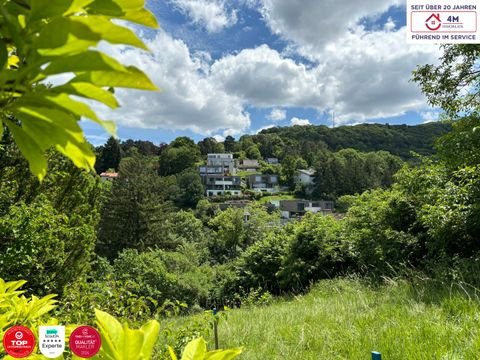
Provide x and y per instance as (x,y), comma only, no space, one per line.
(237,66)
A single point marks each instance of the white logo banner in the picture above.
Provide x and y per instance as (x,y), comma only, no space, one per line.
(51,341)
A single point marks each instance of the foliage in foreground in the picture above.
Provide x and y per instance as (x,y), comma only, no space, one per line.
(119,342)
(41,39)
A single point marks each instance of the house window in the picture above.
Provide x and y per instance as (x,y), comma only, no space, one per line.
(315,204)
(273,179)
(300,206)
(258,178)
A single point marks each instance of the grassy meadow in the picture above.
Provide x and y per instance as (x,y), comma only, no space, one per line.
(347,319)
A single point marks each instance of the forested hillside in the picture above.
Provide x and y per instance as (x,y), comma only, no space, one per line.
(399,140)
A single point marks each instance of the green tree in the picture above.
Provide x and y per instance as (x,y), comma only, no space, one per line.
(253,152)
(47,229)
(210,146)
(134,216)
(110,156)
(41,39)
(190,188)
(174,160)
(453,83)
(229,143)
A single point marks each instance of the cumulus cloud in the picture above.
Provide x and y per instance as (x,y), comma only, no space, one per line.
(188,100)
(301,122)
(213,15)
(277,115)
(361,74)
(314,23)
(430,116)
(264,78)
(367,74)
(264,128)
(389,25)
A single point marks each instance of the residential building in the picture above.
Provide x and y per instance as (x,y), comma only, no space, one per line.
(298,208)
(212,170)
(272,161)
(263,183)
(305,176)
(219,184)
(248,165)
(108,176)
(223,160)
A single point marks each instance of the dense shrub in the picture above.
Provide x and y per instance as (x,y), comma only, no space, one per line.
(317,248)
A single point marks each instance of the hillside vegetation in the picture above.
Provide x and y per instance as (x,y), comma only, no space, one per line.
(399,140)
(347,319)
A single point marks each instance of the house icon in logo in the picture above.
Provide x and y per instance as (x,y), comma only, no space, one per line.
(433,22)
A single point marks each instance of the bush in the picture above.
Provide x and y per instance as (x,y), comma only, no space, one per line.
(259,264)
(316,249)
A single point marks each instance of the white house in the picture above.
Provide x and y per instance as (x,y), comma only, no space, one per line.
(305,176)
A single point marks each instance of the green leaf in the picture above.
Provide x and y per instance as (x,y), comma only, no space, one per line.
(223,354)
(85,61)
(134,79)
(1,129)
(195,350)
(55,8)
(65,103)
(111,32)
(30,149)
(63,132)
(113,9)
(111,332)
(132,345)
(11,23)
(65,36)
(172,353)
(89,91)
(130,4)
(142,17)
(150,335)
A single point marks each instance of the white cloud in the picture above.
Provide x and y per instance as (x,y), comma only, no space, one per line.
(264,78)
(264,128)
(430,116)
(358,73)
(219,138)
(389,25)
(314,23)
(277,115)
(188,100)
(213,15)
(300,122)
(367,74)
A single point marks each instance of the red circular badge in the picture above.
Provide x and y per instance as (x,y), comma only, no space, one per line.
(85,341)
(19,341)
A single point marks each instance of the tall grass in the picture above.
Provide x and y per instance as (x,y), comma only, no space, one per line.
(347,319)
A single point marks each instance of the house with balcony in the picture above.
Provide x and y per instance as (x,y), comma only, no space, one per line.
(263,183)
(248,165)
(225,161)
(216,185)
